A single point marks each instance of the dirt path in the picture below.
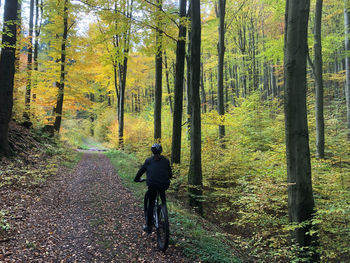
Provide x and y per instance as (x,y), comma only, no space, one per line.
(86,216)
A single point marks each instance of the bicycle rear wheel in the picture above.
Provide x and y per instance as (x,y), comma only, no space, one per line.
(163,227)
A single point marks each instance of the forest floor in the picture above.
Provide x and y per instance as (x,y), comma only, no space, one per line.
(83,214)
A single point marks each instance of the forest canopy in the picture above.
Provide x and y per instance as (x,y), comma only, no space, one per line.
(223,85)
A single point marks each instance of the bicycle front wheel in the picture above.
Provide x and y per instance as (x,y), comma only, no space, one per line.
(163,228)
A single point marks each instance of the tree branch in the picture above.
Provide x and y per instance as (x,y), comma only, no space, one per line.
(130,18)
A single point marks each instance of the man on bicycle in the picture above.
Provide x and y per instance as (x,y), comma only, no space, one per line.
(159,173)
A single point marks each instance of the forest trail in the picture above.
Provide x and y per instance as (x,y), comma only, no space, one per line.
(86,215)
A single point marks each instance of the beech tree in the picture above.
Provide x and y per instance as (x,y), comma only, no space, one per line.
(178,86)
(158,84)
(195,169)
(221,54)
(26,114)
(319,81)
(60,84)
(300,195)
(7,72)
(122,47)
(317,71)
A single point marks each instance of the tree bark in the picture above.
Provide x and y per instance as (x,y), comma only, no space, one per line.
(347,62)
(26,114)
(188,86)
(122,72)
(60,96)
(203,95)
(319,82)
(122,84)
(19,35)
(300,195)
(158,84)
(37,32)
(167,82)
(7,72)
(195,169)
(221,55)
(178,87)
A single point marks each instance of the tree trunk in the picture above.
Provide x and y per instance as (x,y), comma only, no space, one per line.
(37,32)
(7,72)
(319,82)
(121,104)
(221,54)
(167,83)
(188,87)
(158,84)
(195,169)
(178,88)
(19,35)
(212,101)
(60,96)
(300,195)
(203,97)
(347,62)
(122,71)
(26,114)
(37,27)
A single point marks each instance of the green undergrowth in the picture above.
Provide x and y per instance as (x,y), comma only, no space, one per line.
(199,239)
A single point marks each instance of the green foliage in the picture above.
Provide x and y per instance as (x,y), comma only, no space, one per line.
(4,225)
(207,245)
(103,122)
(199,243)
(74,130)
(245,183)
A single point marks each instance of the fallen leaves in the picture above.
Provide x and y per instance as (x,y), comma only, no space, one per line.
(85,214)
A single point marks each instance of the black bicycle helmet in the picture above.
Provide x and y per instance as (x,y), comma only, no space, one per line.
(156,148)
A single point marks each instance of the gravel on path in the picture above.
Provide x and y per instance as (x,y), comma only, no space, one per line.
(86,215)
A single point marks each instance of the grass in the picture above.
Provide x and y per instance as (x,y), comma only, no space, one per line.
(187,230)
(72,159)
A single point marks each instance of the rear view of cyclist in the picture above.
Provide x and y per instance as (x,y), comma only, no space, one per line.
(158,173)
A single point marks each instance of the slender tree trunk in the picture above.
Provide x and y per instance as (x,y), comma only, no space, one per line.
(60,96)
(19,34)
(212,101)
(167,82)
(37,32)
(37,27)
(122,84)
(178,88)
(158,84)
(221,54)
(319,82)
(300,195)
(274,86)
(7,72)
(347,62)
(26,114)
(195,170)
(188,87)
(203,95)
(122,72)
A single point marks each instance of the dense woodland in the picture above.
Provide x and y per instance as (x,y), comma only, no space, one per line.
(249,98)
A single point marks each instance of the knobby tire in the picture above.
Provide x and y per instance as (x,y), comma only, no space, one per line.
(163,228)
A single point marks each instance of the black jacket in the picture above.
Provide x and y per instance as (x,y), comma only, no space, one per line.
(158,171)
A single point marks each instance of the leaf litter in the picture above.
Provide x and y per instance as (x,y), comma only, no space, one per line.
(83,214)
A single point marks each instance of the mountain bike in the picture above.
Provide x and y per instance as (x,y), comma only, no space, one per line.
(160,220)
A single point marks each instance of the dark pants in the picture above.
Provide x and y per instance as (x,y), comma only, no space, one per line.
(152,194)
